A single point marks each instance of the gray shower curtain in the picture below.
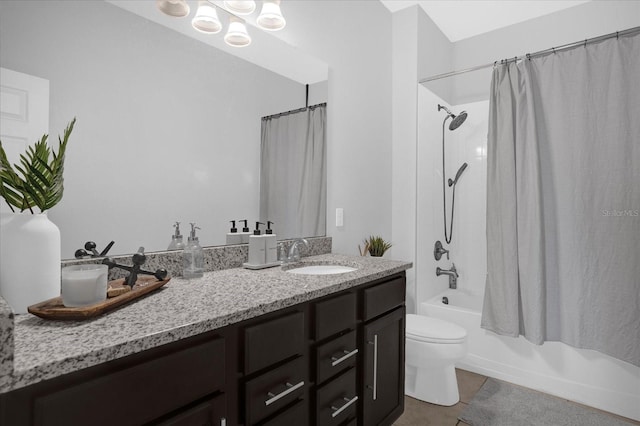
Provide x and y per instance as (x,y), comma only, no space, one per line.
(563,199)
(293,173)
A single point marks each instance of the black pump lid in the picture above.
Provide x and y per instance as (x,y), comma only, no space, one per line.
(269,230)
(257,230)
(233,227)
(245,228)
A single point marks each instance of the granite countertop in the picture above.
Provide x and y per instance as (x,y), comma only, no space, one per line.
(45,349)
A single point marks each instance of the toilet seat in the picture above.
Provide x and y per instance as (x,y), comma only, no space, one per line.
(433,330)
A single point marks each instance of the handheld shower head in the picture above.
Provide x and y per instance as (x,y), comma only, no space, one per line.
(460,170)
(456,120)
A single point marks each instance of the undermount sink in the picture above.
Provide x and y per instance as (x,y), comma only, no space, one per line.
(322,270)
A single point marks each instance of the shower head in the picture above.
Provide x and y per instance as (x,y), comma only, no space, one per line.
(460,170)
(457,120)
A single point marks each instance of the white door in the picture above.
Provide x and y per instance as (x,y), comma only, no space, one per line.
(24,113)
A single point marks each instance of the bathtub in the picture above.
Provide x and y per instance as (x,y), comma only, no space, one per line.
(580,375)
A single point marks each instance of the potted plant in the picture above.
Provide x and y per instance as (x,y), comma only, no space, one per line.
(376,246)
(30,243)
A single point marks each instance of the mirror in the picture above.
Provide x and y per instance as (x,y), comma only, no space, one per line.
(168,127)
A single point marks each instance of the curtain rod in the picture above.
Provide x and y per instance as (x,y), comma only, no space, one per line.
(293,111)
(535,54)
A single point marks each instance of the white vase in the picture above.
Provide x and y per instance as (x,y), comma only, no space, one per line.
(29,259)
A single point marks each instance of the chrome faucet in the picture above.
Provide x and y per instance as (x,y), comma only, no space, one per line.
(294,251)
(453,275)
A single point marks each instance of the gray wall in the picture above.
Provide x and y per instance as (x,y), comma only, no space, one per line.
(168,127)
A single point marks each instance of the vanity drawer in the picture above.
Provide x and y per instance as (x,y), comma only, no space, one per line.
(383,297)
(337,401)
(273,341)
(140,393)
(274,390)
(335,315)
(336,356)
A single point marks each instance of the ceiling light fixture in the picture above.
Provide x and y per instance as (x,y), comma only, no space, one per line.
(206,19)
(176,8)
(240,7)
(237,35)
(271,18)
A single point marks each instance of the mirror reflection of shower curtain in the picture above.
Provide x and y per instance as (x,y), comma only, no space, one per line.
(563,199)
(293,173)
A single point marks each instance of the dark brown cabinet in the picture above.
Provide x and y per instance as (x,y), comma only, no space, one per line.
(383,362)
(383,343)
(209,413)
(336,360)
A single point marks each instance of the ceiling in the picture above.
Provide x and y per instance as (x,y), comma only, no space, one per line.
(457,19)
(460,19)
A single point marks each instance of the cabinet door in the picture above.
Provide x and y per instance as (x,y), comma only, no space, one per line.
(208,413)
(383,378)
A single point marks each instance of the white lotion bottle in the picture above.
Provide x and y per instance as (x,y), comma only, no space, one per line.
(245,234)
(271,244)
(233,237)
(257,247)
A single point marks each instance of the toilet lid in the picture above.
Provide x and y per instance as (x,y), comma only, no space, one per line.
(434,330)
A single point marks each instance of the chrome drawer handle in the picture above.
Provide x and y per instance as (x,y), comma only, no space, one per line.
(349,402)
(346,355)
(290,388)
(375,366)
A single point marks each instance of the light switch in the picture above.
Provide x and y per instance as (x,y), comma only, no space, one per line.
(339,216)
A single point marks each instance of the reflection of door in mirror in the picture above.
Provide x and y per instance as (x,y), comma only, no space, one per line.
(24,114)
(293,172)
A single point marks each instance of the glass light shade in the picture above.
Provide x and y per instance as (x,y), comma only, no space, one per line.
(237,35)
(206,19)
(177,8)
(271,18)
(240,7)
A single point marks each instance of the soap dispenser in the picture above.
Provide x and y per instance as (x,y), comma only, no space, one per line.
(233,237)
(245,234)
(257,256)
(176,239)
(271,244)
(193,256)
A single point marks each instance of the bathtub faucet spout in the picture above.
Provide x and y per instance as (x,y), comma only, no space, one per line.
(452,273)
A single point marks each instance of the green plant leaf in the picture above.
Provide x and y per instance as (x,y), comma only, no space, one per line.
(375,245)
(38,180)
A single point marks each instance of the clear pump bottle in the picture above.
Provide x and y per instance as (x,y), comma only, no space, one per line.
(193,256)
(176,239)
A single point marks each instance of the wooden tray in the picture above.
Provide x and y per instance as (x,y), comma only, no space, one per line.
(54,309)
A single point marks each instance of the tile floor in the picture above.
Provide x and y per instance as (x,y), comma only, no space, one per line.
(418,413)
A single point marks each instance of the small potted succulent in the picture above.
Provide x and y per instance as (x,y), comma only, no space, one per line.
(30,243)
(376,246)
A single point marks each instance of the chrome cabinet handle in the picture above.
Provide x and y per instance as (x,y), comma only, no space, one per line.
(290,388)
(375,366)
(337,360)
(348,402)
(223,422)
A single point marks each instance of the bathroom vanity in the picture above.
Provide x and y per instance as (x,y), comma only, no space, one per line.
(236,347)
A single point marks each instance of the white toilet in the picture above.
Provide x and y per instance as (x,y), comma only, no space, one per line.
(433,347)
